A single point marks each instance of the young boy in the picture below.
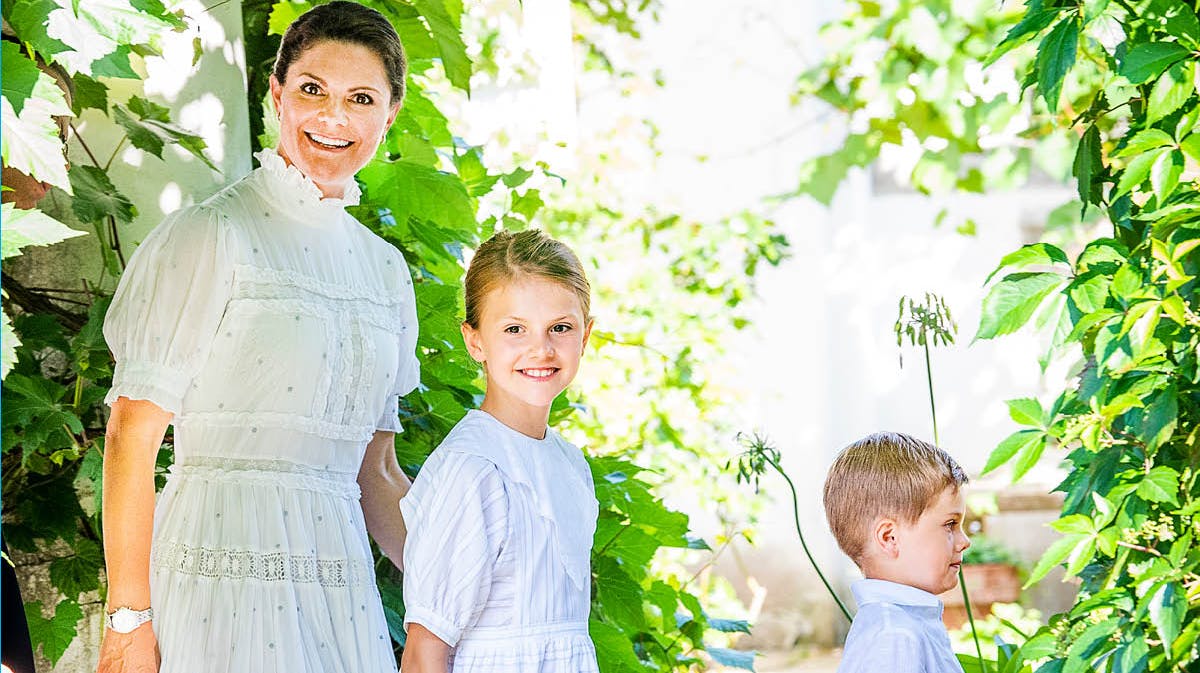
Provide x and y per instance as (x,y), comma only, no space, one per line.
(895,505)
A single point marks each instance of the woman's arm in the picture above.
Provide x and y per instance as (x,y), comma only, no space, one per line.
(383,483)
(135,433)
(424,652)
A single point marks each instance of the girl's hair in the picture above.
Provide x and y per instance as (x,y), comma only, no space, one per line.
(508,256)
(350,22)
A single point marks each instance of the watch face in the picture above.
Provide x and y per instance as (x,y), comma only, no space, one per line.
(124,621)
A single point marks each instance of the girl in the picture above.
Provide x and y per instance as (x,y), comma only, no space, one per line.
(500,520)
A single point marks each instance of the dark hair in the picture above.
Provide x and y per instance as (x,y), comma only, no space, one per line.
(350,22)
(507,256)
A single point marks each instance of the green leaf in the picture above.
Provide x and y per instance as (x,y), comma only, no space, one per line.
(1145,61)
(1191,146)
(614,649)
(1056,56)
(528,204)
(76,574)
(729,625)
(732,658)
(1148,139)
(1037,254)
(821,176)
(149,128)
(96,197)
(444,18)
(283,13)
(1009,448)
(29,19)
(19,77)
(619,596)
(413,190)
(23,228)
(1175,18)
(1034,21)
(1171,90)
(1028,457)
(1026,411)
(31,142)
(1168,607)
(1161,484)
(1164,174)
(1088,165)
(89,93)
(115,65)
(1013,301)
(1137,171)
(56,633)
(8,345)
(1055,555)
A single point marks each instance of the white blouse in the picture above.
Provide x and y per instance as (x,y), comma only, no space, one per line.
(497,560)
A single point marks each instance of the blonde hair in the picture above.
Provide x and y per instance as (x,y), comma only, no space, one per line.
(887,474)
(507,256)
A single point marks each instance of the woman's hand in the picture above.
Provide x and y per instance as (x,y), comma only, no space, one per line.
(133,652)
(424,652)
(135,432)
(383,483)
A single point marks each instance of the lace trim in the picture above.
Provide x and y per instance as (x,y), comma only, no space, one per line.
(279,419)
(370,313)
(280,473)
(273,164)
(241,564)
(249,275)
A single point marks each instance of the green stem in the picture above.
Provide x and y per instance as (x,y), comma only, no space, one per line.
(961,581)
(971,620)
(929,380)
(796,515)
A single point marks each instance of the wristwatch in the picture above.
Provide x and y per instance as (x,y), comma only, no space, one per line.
(124,620)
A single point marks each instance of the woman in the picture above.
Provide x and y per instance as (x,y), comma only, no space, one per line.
(276,333)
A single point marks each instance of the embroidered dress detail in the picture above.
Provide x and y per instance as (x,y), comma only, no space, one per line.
(281,333)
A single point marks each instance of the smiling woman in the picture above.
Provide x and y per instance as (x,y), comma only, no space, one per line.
(276,334)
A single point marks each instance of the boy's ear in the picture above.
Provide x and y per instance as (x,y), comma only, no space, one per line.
(885,537)
(473,342)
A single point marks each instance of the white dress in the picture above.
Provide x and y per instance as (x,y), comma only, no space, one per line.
(497,560)
(281,333)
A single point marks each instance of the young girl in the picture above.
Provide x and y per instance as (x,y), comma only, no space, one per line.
(500,521)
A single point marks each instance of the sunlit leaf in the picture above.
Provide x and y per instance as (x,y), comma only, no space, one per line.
(23,228)
(1146,61)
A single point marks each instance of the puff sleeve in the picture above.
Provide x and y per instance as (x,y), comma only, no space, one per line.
(408,371)
(168,307)
(456,514)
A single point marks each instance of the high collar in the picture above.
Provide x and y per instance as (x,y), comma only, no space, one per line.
(306,191)
(882,591)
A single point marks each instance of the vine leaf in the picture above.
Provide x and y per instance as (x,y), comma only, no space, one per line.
(1168,607)
(8,345)
(28,19)
(23,228)
(20,76)
(79,572)
(732,658)
(1145,61)
(1088,165)
(444,18)
(96,197)
(31,142)
(1013,301)
(149,127)
(56,633)
(283,13)
(1171,90)
(1056,55)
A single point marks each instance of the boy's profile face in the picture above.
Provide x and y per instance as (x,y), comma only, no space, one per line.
(928,553)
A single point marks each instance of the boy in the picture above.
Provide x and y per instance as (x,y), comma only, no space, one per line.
(895,505)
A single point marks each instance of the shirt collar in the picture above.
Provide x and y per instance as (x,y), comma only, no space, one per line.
(274,165)
(883,591)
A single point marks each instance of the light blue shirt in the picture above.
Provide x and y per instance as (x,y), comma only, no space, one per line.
(898,629)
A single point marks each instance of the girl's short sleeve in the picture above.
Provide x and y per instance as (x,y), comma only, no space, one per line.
(457,518)
(168,306)
(408,371)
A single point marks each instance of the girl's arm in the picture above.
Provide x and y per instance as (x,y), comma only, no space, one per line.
(135,433)
(424,652)
(383,483)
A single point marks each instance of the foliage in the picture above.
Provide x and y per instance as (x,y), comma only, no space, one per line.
(428,193)
(985,550)
(1118,81)
(1007,621)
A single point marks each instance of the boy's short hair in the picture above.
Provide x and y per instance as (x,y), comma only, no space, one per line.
(886,474)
